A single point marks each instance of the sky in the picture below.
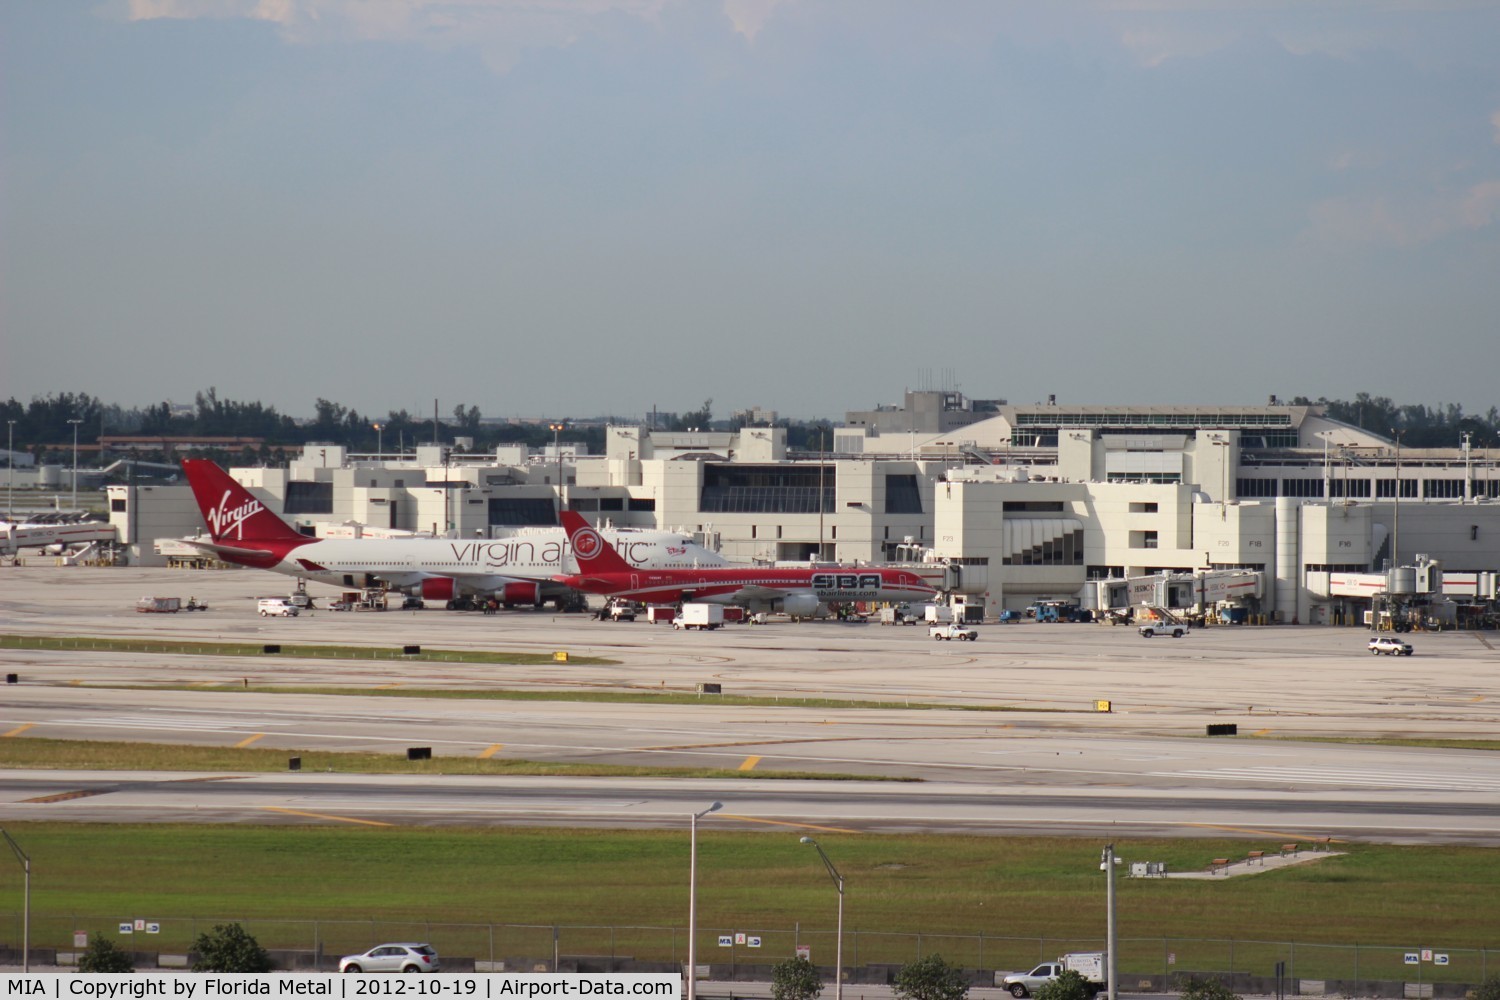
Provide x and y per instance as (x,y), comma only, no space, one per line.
(607,206)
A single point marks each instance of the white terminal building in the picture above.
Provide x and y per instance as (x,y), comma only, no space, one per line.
(1015,504)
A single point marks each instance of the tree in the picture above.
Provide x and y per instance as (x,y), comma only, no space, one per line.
(229,948)
(1206,988)
(795,979)
(930,978)
(1487,990)
(102,956)
(1069,985)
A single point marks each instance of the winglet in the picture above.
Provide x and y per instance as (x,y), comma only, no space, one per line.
(593,553)
(231,513)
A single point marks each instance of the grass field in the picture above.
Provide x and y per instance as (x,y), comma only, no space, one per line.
(629,889)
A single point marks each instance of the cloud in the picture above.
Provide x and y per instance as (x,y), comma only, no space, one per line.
(749,16)
(512,23)
(1381,222)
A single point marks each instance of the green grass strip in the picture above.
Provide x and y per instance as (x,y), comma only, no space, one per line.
(107,755)
(303,651)
(652,696)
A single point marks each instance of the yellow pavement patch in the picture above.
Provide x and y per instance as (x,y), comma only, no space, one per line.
(1303,837)
(248,740)
(336,819)
(20,729)
(490,751)
(749,764)
(799,826)
(65,796)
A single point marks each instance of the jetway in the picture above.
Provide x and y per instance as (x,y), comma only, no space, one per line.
(1200,589)
(59,536)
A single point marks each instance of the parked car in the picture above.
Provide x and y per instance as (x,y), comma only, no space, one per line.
(1389,645)
(393,958)
(1173,629)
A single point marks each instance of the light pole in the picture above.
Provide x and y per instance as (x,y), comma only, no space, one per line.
(10,461)
(557,453)
(838,948)
(26,905)
(1107,862)
(1396,519)
(379,450)
(692,976)
(75,424)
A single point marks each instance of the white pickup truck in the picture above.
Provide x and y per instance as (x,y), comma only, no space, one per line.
(952,630)
(1175,629)
(1088,964)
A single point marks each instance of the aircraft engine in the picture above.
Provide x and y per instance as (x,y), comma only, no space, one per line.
(521,593)
(439,588)
(800,605)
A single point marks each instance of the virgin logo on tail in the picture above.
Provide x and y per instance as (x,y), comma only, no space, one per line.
(586,543)
(223,519)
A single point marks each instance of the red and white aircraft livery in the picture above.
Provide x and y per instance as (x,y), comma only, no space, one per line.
(521,569)
(798,591)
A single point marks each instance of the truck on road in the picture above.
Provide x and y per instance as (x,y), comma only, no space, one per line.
(952,630)
(1088,964)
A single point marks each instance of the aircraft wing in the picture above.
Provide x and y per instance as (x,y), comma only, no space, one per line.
(232,552)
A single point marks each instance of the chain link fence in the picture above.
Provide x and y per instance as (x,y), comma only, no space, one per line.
(546,946)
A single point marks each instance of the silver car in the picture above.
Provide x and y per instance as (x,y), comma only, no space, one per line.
(393,958)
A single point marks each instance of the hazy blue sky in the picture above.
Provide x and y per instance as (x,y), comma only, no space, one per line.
(542,207)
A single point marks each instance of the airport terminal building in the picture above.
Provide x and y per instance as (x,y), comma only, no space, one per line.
(1016,503)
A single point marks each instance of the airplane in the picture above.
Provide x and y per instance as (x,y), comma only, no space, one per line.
(797,591)
(521,569)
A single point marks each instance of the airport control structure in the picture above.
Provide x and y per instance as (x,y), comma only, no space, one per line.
(1271,513)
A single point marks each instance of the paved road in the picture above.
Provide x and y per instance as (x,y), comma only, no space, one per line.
(1053,763)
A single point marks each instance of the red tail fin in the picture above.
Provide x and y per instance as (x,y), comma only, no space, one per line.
(231,513)
(593,553)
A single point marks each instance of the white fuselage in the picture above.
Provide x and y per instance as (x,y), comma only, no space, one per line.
(477,565)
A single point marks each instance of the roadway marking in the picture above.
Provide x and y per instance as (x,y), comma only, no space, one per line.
(490,751)
(749,763)
(336,819)
(1333,776)
(799,826)
(248,740)
(19,729)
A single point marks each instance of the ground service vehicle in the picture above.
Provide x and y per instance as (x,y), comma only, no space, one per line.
(159,605)
(1175,630)
(275,607)
(700,616)
(393,958)
(1088,964)
(952,630)
(901,614)
(1389,645)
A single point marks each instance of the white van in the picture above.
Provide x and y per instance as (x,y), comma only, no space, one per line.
(277,606)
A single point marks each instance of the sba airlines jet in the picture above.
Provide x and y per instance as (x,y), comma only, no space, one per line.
(796,591)
(519,569)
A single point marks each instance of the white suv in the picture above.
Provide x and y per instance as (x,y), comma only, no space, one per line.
(1389,645)
(393,958)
